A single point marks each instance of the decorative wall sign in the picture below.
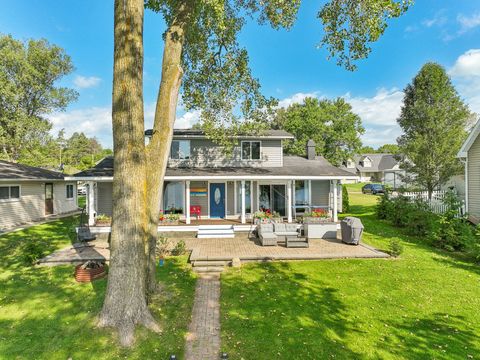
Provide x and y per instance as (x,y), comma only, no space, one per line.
(199,191)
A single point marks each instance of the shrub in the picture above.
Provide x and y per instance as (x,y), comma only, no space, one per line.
(400,211)
(384,206)
(163,246)
(33,250)
(179,249)
(420,220)
(345,199)
(395,248)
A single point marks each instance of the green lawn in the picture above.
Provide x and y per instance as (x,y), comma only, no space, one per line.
(424,305)
(45,314)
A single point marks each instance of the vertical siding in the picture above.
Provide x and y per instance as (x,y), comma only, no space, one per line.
(200,200)
(30,206)
(205,153)
(474,179)
(61,204)
(320,192)
(104,198)
(230,198)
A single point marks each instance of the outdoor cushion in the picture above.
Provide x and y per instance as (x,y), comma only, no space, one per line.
(291,227)
(265,228)
(286,233)
(268,235)
(280,228)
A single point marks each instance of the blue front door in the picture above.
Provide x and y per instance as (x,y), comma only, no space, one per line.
(217,200)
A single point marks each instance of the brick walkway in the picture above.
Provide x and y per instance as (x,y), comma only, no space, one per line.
(203,338)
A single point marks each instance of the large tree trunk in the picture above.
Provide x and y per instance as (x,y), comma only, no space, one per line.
(125,302)
(158,149)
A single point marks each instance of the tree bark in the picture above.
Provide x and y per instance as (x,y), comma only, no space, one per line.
(158,149)
(125,303)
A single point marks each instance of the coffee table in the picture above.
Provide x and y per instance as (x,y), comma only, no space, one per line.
(296,241)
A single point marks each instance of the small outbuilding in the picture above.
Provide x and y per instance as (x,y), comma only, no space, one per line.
(29,194)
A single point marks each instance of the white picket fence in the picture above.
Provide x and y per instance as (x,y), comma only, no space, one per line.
(436,203)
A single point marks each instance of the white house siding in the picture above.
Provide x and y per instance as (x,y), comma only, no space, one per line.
(205,153)
(30,206)
(61,204)
(320,192)
(104,198)
(474,179)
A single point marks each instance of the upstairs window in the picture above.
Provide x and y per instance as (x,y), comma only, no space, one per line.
(180,150)
(9,192)
(69,189)
(251,150)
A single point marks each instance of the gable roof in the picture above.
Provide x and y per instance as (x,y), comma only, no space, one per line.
(192,133)
(470,140)
(15,171)
(380,162)
(293,166)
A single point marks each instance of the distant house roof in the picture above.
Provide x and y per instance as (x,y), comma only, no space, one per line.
(192,133)
(15,171)
(380,162)
(293,166)
(470,140)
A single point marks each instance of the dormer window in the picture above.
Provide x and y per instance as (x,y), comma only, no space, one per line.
(366,162)
(180,150)
(350,164)
(251,150)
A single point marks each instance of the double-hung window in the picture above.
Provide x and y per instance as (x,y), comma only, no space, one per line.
(69,189)
(251,150)
(10,192)
(180,150)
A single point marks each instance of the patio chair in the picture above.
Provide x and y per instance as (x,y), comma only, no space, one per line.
(284,230)
(196,210)
(266,235)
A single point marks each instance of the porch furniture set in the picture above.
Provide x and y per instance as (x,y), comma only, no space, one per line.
(273,233)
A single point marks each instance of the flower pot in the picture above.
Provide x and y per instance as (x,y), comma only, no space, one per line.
(103,223)
(88,275)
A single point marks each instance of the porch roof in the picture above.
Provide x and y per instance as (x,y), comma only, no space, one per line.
(13,171)
(293,167)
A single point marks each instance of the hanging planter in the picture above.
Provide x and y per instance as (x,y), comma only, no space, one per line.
(89,271)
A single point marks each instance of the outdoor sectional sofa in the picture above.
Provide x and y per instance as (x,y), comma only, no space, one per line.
(270,234)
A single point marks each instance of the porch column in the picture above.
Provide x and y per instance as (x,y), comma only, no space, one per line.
(335,200)
(91,203)
(242,191)
(187,202)
(289,200)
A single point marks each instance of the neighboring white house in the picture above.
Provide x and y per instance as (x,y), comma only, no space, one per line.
(29,193)
(376,167)
(470,151)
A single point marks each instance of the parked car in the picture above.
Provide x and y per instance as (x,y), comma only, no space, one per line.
(373,189)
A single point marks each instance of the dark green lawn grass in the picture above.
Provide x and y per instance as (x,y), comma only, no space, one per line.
(45,314)
(424,305)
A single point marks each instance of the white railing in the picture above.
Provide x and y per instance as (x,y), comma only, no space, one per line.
(436,203)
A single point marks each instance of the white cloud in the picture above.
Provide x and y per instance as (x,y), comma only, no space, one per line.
(380,135)
(381,109)
(296,99)
(468,22)
(85,82)
(437,20)
(467,64)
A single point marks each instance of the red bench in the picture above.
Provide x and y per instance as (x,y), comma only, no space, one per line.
(196,210)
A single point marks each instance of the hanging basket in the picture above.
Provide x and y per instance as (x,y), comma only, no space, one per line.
(87,274)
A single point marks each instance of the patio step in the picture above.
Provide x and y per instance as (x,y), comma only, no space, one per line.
(215,231)
(214,263)
(208,269)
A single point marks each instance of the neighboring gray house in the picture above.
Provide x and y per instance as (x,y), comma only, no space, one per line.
(29,193)
(470,151)
(376,167)
(201,179)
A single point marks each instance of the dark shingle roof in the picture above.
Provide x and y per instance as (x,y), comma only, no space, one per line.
(15,171)
(292,165)
(201,133)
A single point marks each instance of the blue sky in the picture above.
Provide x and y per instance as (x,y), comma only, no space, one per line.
(288,63)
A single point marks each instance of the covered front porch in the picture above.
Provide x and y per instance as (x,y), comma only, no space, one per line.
(236,202)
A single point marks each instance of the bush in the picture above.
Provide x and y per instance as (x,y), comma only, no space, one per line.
(345,199)
(395,248)
(179,249)
(384,206)
(420,220)
(33,250)
(163,246)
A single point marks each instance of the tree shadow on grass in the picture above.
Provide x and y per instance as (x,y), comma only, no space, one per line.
(47,315)
(280,314)
(441,336)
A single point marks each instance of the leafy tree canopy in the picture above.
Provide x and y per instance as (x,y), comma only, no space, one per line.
(29,73)
(332,124)
(389,149)
(433,119)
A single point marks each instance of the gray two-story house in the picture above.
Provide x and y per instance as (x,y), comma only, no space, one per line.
(202,182)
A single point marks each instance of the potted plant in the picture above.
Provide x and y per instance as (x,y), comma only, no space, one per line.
(317,216)
(266,216)
(103,220)
(162,249)
(89,271)
(318,224)
(168,219)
